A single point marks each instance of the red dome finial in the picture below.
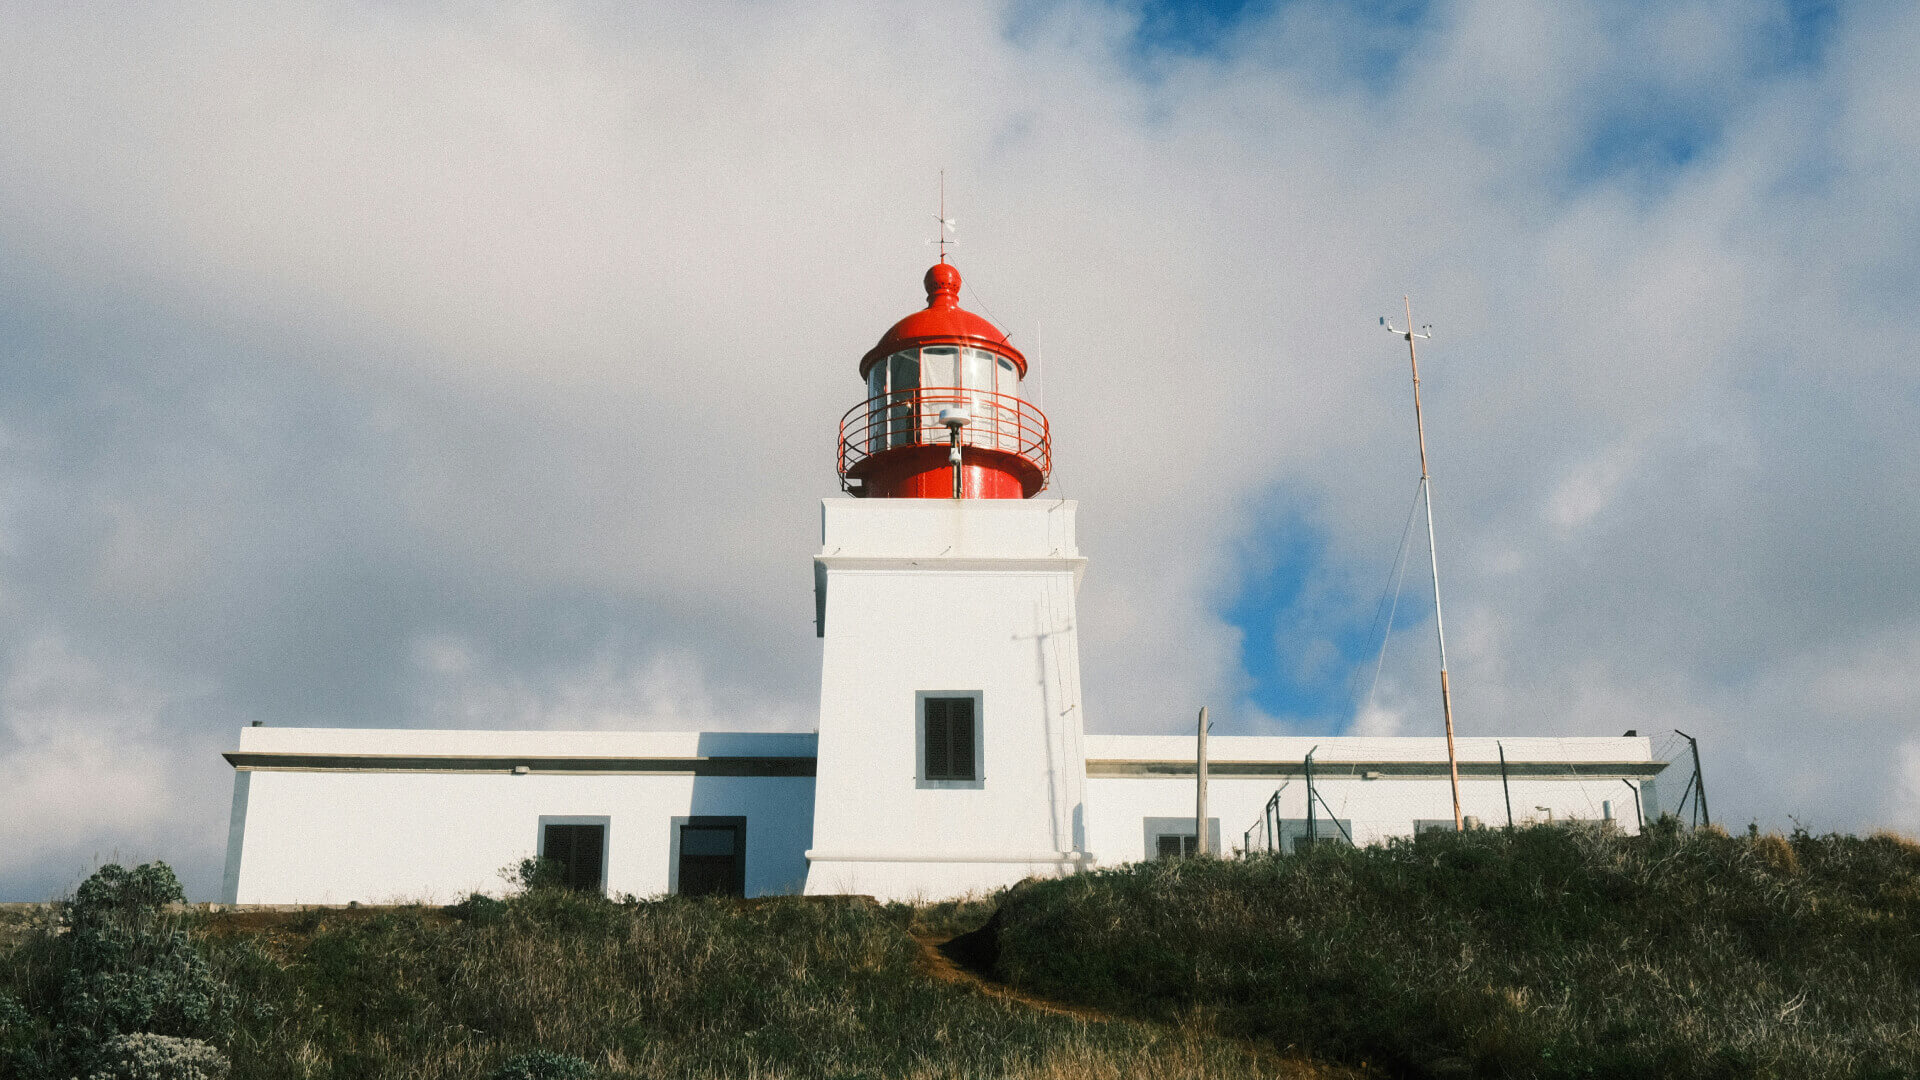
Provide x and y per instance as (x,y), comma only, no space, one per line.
(943,286)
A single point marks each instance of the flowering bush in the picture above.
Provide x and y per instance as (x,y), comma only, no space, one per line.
(542,1065)
(159,1057)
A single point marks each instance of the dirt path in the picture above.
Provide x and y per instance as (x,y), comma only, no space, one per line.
(935,963)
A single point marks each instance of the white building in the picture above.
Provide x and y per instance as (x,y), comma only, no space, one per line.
(951,755)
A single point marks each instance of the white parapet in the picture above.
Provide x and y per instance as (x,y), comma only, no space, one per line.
(947,599)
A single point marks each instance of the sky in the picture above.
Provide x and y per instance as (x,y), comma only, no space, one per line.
(410,364)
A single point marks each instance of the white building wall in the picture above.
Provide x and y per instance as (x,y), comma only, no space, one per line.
(961,596)
(338,815)
(1610,771)
(329,833)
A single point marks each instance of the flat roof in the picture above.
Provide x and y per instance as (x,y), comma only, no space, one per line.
(1371,757)
(491,743)
(699,753)
(1338,749)
(774,753)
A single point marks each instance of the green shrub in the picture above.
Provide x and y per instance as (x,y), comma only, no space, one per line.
(532,874)
(479,909)
(118,962)
(542,1065)
(159,1057)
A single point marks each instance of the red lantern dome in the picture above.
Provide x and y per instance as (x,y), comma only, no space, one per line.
(944,415)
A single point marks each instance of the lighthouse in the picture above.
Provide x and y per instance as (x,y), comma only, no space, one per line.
(951,751)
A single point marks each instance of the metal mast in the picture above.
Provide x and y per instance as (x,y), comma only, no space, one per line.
(1433,557)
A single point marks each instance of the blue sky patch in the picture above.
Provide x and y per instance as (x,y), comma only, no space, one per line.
(1649,140)
(1311,627)
(1195,26)
(1360,41)
(1800,40)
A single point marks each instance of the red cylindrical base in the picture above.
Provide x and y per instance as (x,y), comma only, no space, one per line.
(924,472)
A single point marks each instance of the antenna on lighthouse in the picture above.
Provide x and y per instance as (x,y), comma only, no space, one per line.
(1426,491)
(947,224)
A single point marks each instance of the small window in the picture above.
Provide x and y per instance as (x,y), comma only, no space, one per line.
(713,856)
(1175,847)
(950,738)
(580,851)
(1173,837)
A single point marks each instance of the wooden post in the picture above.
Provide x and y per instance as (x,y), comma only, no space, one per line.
(1200,795)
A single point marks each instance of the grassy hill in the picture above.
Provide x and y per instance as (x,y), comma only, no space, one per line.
(1545,952)
(786,987)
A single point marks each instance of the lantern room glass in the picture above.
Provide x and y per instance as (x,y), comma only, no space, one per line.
(903,385)
(976,382)
(937,364)
(906,400)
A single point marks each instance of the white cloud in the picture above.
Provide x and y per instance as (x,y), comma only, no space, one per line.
(669,691)
(94,773)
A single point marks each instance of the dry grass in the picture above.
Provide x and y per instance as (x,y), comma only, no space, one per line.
(835,989)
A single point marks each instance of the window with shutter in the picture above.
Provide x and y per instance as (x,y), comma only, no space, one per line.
(950,738)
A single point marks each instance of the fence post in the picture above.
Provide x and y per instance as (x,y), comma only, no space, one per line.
(1200,795)
(1504,793)
(1699,779)
(1312,833)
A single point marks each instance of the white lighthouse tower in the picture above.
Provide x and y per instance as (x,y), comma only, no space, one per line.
(951,756)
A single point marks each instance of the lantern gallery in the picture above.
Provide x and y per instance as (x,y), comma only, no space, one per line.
(951,755)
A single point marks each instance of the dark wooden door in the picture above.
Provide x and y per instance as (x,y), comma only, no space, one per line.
(581,852)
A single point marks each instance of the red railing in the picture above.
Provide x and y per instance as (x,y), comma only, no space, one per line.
(1000,422)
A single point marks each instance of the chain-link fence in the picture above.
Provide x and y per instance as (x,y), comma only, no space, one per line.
(1518,782)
